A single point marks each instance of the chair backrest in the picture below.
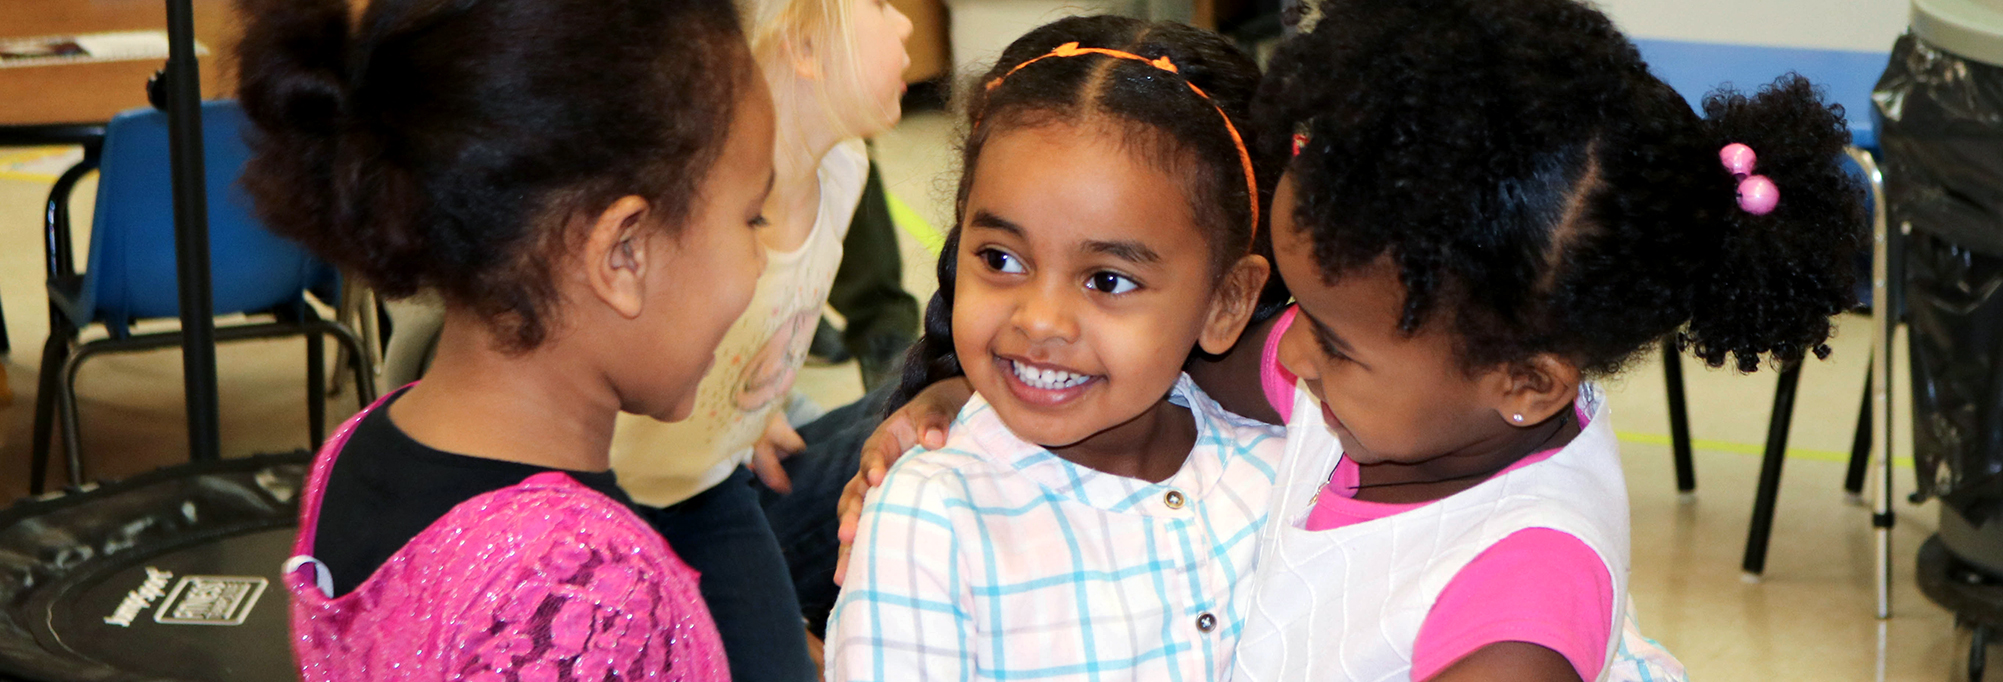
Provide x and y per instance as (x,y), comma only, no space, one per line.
(131,273)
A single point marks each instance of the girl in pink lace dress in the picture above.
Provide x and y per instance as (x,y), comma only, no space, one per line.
(579,181)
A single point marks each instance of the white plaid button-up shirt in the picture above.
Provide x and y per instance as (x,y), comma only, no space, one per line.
(994,559)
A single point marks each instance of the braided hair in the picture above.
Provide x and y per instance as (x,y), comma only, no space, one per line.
(1160,119)
(1534,183)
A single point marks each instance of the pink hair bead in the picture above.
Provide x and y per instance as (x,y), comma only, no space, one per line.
(1758,195)
(1738,159)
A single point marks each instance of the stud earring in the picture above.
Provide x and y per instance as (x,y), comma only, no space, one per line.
(1516,418)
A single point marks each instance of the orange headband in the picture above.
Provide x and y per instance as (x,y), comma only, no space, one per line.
(1072,49)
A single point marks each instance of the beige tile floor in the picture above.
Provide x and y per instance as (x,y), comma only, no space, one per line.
(1810,619)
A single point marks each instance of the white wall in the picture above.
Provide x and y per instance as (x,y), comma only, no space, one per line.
(1868,25)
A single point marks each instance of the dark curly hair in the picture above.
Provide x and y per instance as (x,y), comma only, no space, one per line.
(1518,163)
(1161,119)
(447,144)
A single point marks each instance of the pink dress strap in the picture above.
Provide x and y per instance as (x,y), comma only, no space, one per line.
(1274,379)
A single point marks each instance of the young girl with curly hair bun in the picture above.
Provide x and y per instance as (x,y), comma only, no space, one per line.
(1492,204)
(580,181)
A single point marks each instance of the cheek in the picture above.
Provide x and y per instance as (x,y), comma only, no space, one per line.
(978,315)
(1297,352)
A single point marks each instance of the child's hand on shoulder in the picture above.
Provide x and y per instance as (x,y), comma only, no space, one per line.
(920,423)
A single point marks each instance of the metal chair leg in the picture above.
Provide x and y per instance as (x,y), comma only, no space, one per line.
(1885,274)
(1679,418)
(54,353)
(66,415)
(1769,487)
(1860,447)
(1978,653)
(364,366)
(316,386)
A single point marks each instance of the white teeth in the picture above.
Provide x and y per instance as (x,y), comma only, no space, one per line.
(1047,379)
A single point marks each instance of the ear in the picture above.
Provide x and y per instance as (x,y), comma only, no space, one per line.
(615,255)
(1231,305)
(800,54)
(1536,388)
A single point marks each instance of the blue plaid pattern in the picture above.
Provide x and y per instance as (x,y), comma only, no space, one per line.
(994,559)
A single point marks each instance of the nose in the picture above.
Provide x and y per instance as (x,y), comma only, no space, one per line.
(902,22)
(1045,316)
(1297,350)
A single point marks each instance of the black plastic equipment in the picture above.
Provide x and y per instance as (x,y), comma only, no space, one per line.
(1972,594)
(1944,152)
(1941,102)
(172,575)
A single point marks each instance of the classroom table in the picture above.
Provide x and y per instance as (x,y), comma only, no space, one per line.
(70,103)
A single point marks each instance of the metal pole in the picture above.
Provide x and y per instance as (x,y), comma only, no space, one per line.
(191,232)
(1886,311)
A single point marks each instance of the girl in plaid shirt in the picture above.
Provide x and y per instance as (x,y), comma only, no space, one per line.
(1094,513)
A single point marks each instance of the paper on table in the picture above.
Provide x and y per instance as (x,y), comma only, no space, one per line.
(89,47)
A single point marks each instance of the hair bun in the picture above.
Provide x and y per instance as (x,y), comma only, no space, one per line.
(293,55)
(1778,276)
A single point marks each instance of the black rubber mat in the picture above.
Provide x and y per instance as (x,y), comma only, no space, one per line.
(168,576)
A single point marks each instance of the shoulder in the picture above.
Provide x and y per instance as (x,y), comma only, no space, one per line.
(552,517)
(846,168)
(932,478)
(1537,585)
(1236,433)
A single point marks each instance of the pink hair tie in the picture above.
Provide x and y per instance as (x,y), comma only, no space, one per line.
(1757,193)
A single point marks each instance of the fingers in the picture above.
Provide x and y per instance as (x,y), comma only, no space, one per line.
(841,564)
(850,508)
(851,516)
(934,432)
(765,463)
(786,440)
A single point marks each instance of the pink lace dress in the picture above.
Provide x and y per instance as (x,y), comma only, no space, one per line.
(543,580)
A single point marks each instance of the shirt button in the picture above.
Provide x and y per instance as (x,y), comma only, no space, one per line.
(1206,622)
(1173,499)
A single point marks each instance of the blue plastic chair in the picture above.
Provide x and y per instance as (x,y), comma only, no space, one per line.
(131,273)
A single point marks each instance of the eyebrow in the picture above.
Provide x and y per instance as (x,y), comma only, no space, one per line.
(991,221)
(1124,249)
(1328,334)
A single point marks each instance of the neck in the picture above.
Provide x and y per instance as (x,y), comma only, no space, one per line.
(1444,475)
(1150,447)
(540,407)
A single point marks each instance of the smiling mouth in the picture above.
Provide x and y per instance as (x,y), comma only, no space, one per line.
(1047,379)
(1044,386)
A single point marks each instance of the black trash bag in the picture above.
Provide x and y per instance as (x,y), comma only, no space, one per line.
(1956,322)
(1942,130)
(172,575)
(1941,126)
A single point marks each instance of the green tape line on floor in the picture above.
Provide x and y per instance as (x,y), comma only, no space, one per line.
(914,224)
(1746,448)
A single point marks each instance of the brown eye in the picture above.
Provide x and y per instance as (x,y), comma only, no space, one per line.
(1001,261)
(1111,283)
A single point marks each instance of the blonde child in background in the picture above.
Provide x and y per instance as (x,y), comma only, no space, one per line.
(835,71)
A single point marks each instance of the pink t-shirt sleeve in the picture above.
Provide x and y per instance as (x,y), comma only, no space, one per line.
(1276,380)
(1539,586)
